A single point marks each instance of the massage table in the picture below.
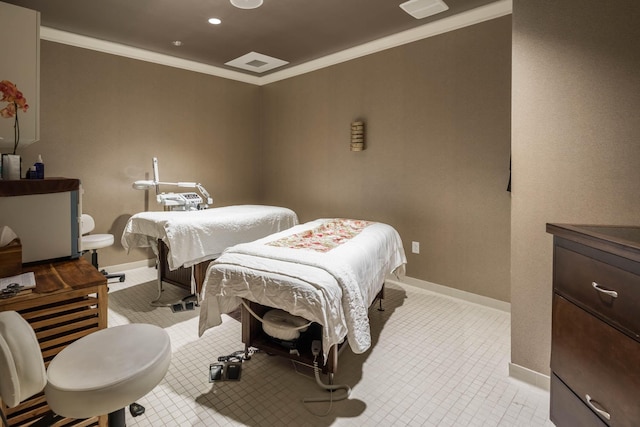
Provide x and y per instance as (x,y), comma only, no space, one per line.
(327,271)
(184,242)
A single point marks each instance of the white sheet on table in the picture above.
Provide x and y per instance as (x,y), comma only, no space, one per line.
(333,289)
(196,236)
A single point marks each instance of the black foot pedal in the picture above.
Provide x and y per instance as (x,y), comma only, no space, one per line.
(136,409)
(216,372)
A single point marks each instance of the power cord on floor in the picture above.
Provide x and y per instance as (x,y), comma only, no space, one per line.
(315,350)
(239,356)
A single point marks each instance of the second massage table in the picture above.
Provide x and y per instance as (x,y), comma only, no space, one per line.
(184,242)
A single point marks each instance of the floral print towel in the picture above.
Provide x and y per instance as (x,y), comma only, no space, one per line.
(324,237)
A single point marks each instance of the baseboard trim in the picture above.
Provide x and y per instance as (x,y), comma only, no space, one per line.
(528,376)
(456,293)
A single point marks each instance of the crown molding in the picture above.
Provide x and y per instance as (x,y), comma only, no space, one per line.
(451,23)
(63,37)
(471,17)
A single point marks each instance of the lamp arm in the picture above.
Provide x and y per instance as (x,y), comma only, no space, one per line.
(147,184)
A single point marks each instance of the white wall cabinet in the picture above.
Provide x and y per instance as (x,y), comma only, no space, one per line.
(20,64)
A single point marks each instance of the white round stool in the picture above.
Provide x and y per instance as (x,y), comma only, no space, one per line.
(93,242)
(107,370)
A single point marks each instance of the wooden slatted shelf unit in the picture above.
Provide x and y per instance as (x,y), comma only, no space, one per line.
(69,302)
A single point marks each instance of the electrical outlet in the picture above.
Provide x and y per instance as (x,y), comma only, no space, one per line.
(415,247)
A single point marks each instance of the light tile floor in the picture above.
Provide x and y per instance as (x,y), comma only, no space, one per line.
(434,361)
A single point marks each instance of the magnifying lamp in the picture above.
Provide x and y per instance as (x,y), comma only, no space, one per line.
(149,184)
(144,185)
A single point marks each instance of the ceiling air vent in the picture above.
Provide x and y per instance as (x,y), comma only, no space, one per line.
(422,8)
(256,62)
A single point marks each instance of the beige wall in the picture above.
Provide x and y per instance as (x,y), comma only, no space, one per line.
(436,165)
(576,150)
(104,117)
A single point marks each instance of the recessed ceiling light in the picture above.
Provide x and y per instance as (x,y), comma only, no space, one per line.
(176,43)
(215,21)
(246,4)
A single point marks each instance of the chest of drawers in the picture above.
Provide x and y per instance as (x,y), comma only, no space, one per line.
(595,339)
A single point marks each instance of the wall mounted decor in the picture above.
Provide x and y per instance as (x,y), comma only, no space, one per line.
(357,136)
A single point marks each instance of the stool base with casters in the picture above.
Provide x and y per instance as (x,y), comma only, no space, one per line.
(94,262)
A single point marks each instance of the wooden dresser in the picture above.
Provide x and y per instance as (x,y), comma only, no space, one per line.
(595,343)
(69,302)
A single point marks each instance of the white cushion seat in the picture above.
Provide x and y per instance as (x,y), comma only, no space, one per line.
(96,241)
(107,370)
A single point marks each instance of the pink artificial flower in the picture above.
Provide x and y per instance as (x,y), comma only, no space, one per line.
(8,111)
(14,97)
(15,100)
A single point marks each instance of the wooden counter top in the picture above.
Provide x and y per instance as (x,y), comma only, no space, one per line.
(61,276)
(623,241)
(25,187)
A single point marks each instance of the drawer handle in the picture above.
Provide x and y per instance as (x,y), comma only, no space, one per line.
(597,287)
(599,411)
